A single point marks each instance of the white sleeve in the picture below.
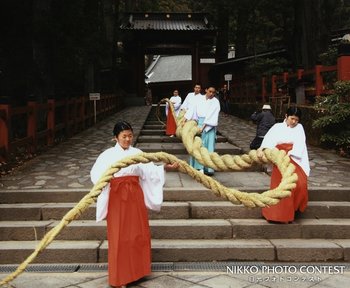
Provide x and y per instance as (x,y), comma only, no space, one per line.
(166,108)
(185,103)
(191,113)
(270,139)
(299,145)
(177,103)
(152,180)
(101,165)
(211,119)
(102,204)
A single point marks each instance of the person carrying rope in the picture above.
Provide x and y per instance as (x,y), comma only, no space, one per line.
(206,112)
(124,202)
(290,137)
(170,121)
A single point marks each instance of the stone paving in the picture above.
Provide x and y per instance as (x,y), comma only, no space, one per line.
(228,278)
(67,166)
(69,163)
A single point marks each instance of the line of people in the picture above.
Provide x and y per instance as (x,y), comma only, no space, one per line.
(288,136)
(205,110)
(138,187)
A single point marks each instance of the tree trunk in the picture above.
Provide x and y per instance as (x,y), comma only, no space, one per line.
(222,37)
(306,32)
(41,79)
(242,29)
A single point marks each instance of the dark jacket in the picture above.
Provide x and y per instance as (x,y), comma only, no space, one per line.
(265,120)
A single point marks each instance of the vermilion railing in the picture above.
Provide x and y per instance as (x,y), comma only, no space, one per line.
(317,81)
(43,123)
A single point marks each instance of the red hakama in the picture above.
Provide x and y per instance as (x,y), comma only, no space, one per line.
(285,209)
(170,124)
(129,239)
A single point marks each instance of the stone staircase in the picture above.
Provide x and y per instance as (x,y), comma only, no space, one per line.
(193,225)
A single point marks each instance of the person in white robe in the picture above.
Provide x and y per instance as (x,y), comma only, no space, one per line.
(206,112)
(290,137)
(176,100)
(284,133)
(124,202)
(191,98)
(151,178)
(170,118)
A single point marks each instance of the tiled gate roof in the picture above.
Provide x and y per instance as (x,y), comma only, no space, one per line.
(167,22)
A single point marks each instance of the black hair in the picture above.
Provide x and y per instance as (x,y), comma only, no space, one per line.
(294,111)
(121,126)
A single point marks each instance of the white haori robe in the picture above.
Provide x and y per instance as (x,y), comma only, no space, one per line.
(205,108)
(211,110)
(176,100)
(205,112)
(281,133)
(189,100)
(151,177)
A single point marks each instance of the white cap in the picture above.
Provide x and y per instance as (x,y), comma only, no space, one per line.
(267,107)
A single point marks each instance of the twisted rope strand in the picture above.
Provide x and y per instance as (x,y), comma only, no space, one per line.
(188,131)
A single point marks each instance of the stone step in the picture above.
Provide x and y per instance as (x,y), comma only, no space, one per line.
(167,139)
(152,132)
(293,250)
(55,211)
(193,193)
(153,126)
(186,229)
(179,148)
(187,250)
(226,210)
(171,210)
(14,252)
(90,230)
(153,122)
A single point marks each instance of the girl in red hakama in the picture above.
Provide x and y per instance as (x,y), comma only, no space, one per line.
(170,124)
(170,121)
(285,209)
(124,202)
(290,137)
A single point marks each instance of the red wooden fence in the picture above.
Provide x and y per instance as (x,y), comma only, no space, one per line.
(44,123)
(317,81)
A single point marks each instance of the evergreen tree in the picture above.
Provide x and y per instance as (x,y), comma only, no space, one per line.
(334,120)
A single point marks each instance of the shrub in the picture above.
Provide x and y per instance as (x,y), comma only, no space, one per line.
(334,118)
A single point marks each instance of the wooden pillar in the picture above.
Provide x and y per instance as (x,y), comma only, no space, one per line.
(343,67)
(319,80)
(4,129)
(51,122)
(82,112)
(195,65)
(67,120)
(273,85)
(32,124)
(141,73)
(300,73)
(263,89)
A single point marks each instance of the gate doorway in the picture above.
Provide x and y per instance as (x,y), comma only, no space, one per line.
(166,34)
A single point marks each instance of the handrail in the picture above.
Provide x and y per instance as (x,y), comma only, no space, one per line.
(76,114)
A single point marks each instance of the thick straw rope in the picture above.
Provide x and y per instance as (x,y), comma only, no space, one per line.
(223,163)
(188,131)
